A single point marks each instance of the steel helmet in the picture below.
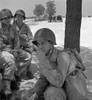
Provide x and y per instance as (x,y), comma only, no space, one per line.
(20,12)
(5,13)
(46,34)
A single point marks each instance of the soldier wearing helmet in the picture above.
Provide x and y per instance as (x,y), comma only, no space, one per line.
(7,43)
(45,34)
(5,13)
(25,34)
(25,38)
(20,12)
(55,67)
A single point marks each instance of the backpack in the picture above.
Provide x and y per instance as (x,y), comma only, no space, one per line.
(77,58)
(75,83)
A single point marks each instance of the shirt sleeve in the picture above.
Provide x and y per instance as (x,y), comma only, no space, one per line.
(16,40)
(57,76)
(63,61)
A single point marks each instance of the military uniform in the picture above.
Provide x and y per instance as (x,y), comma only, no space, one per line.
(24,44)
(24,38)
(24,32)
(9,37)
(61,76)
(25,35)
(8,41)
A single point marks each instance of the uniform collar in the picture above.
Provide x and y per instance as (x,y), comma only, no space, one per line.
(16,25)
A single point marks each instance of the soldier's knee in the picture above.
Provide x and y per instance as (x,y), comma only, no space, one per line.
(53,92)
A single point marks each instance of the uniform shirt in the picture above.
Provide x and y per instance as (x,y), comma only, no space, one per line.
(55,70)
(9,36)
(25,34)
(7,64)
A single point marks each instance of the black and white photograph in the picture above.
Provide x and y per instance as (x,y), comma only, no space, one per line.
(45,49)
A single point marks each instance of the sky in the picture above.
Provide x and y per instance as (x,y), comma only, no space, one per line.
(29,5)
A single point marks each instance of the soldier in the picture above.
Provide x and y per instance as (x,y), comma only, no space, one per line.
(7,60)
(25,45)
(61,75)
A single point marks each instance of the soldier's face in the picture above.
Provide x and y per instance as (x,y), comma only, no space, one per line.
(19,18)
(6,20)
(44,45)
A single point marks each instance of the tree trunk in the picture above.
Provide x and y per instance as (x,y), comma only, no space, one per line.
(73,24)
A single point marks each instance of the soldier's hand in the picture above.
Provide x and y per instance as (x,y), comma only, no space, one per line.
(44,62)
(41,55)
(24,36)
(41,58)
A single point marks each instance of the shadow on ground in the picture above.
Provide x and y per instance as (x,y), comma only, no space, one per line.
(86,54)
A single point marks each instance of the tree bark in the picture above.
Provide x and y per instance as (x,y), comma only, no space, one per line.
(73,24)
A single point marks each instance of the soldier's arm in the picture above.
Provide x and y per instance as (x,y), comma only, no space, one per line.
(57,76)
(29,33)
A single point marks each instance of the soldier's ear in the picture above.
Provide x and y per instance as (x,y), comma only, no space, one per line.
(51,42)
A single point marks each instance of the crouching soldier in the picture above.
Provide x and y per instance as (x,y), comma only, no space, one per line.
(7,60)
(61,75)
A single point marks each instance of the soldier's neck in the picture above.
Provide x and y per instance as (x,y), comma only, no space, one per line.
(49,52)
(19,25)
